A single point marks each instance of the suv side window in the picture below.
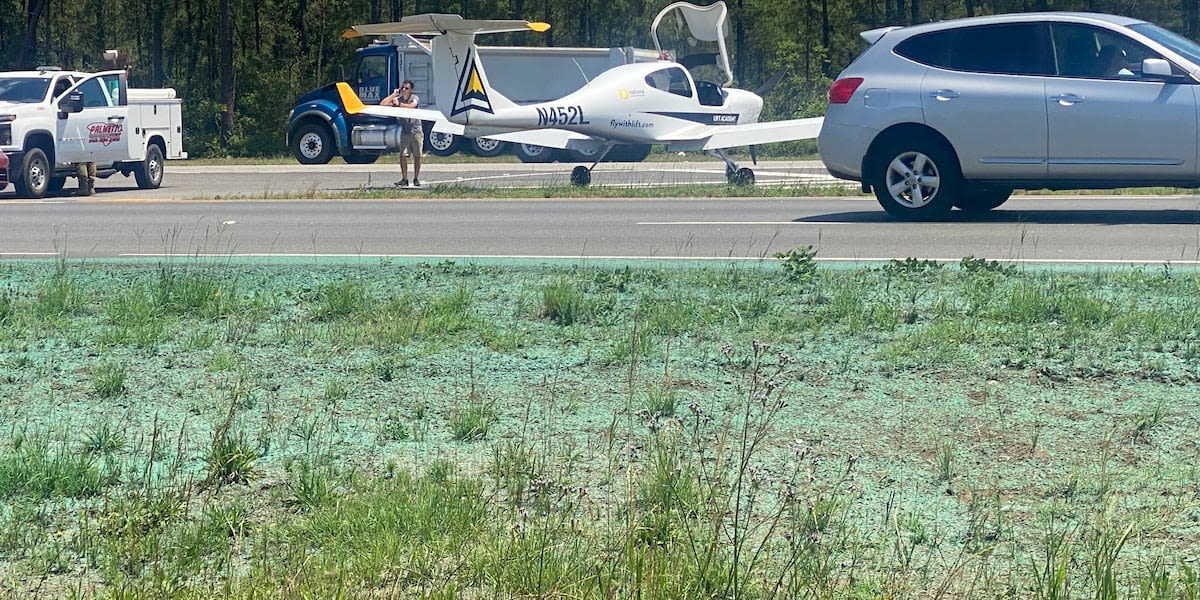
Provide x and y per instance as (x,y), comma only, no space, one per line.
(1010,48)
(1096,53)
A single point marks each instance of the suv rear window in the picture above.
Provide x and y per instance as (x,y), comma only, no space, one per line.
(1010,48)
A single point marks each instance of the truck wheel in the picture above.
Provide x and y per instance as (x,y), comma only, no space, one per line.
(487,147)
(441,144)
(149,172)
(33,178)
(312,144)
(532,153)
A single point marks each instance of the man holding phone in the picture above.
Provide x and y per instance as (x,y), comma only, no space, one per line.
(412,138)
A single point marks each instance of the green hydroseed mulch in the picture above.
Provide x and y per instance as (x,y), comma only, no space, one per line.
(458,429)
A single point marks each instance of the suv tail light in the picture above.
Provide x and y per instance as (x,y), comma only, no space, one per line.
(842,89)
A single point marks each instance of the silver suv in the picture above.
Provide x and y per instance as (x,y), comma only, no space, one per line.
(958,113)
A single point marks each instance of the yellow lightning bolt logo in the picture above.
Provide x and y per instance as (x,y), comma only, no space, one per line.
(472,95)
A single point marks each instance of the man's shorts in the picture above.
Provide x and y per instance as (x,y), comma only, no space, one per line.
(410,143)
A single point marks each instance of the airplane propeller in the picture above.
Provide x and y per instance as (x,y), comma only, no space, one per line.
(763,90)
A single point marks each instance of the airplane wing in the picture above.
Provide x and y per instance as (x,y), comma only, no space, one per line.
(730,136)
(354,105)
(550,138)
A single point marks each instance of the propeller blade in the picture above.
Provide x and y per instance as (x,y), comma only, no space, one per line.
(766,88)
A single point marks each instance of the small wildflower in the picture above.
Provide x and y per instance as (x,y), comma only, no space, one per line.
(727,349)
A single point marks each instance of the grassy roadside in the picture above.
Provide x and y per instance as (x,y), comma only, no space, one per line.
(774,430)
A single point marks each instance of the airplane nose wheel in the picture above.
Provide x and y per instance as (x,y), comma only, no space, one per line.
(742,176)
(581,176)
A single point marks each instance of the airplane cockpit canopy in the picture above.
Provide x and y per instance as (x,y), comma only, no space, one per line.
(694,36)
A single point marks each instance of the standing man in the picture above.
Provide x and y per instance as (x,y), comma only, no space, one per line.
(411,135)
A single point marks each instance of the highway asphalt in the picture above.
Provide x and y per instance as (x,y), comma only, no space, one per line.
(221,211)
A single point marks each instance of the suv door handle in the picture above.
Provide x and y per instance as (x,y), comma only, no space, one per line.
(116,117)
(943,94)
(1067,99)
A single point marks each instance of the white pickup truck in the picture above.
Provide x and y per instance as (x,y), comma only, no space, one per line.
(52,119)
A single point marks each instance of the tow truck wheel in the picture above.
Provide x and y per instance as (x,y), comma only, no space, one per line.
(532,153)
(149,172)
(312,144)
(441,143)
(33,178)
(581,176)
(487,147)
(580,155)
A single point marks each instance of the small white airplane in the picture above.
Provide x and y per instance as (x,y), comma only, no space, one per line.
(639,103)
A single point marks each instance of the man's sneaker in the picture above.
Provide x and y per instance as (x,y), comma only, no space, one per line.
(416,182)
(401,183)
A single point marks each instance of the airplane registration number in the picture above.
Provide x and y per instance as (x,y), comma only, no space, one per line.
(561,115)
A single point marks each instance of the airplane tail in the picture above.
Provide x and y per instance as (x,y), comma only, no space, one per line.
(461,86)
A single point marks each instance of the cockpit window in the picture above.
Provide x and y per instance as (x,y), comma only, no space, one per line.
(673,80)
(28,90)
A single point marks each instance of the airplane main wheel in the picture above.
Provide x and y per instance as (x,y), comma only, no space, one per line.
(581,176)
(742,176)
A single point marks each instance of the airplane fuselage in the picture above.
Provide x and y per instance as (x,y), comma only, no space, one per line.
(642,103)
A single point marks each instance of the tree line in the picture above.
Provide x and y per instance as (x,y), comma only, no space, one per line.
(240,65)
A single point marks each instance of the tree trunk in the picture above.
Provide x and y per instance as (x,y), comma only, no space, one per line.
(156,45)
(227,83)
(739,44)
(825,36)
(1191,18)
(28,51)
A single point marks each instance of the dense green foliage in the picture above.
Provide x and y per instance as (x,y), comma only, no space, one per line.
(241,74)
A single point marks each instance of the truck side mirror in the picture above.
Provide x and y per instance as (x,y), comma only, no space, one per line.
(73,103)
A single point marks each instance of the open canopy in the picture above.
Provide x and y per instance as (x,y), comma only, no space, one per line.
(694,36)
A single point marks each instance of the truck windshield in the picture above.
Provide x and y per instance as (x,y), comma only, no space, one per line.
(23,89)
